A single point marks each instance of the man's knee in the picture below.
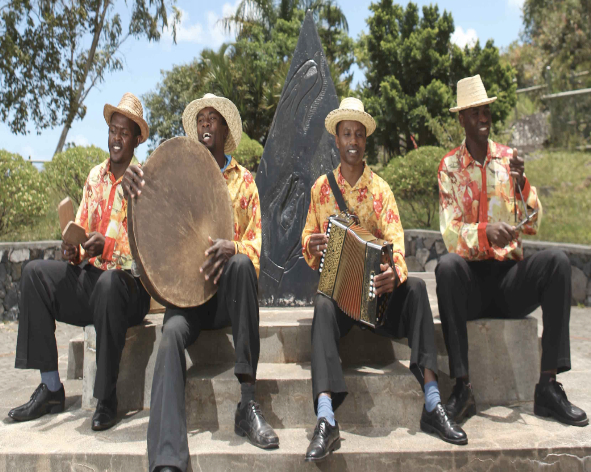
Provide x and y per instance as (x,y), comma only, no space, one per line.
(173,332)
(109,283)
(449,266)
(557,259)
(324,311)
(416,287)
(241,264)
(33,270)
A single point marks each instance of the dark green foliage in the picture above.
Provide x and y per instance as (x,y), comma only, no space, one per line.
(248,153)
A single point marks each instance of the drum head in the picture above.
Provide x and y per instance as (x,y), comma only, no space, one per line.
(185,200)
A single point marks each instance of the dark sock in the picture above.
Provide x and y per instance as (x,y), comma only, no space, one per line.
(247,393)
(546,377)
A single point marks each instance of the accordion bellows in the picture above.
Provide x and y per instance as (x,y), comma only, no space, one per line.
(348,267)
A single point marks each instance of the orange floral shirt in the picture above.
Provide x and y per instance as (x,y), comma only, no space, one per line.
(471,196)
(104,209)
(247,212)
(370,199)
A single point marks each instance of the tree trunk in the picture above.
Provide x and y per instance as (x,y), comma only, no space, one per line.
(75,105)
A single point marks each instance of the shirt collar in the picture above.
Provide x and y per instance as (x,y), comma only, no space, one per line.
(363,182)
(228,160)
(466,159)
(106,169)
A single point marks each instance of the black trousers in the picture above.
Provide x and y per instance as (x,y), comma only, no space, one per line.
(507,289)
(235,304)
(408,316)
(112,300)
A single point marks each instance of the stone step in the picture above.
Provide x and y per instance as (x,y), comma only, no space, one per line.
(500,439)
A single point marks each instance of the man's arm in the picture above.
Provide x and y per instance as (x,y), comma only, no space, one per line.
(313,241)
(250,244)
(528,193)
(392,231)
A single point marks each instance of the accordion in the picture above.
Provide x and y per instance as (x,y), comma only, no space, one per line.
(348,266)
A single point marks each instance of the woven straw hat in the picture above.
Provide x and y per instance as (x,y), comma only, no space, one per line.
(131,107)
(225,108)
(350,109)
(471,93)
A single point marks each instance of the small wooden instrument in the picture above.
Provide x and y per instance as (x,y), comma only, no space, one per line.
(65,211)
(348,266)
(74,234)
(185,199)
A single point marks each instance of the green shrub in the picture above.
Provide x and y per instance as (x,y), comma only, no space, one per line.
(23,193)
(248,153)
(413,179)
(68,170)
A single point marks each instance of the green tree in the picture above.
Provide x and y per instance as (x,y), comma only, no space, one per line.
(411,73)
(413,179)
(23,194)
(249,153)
(66,173)
(52,54)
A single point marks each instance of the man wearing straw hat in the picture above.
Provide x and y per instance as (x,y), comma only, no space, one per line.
(485,203)
(103,292)
(234,266)
(408,314)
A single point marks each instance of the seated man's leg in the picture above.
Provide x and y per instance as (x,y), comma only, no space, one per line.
(167,428)
(118,301)
(237,305)
(409,316)
(50,291)
(545,279)
(459,297)
(329,390)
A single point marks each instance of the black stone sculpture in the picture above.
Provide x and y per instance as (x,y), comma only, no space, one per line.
(297,152)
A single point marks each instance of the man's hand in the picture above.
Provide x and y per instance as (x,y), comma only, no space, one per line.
(386,281)
(95,244)
(219,253)
(69,251)
(317,243)
(133,181)
(517,168)
(500,234)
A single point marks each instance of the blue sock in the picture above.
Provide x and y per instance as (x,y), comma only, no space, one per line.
(52,380)
(325,409)
(432,397)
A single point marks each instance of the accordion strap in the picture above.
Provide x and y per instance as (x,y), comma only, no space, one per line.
(336,191)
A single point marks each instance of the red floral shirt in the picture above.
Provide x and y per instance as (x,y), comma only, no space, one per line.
(472,195)
(371,199)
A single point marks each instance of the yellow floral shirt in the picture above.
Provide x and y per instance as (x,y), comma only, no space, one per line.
(471,196)
(247,213)
(371,200)
(104,209)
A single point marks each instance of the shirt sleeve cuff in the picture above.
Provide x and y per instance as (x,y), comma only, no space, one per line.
(483,245)
(108,249)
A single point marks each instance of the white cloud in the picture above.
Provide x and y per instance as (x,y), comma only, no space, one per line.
(516,4)
(80,140)
(211,35)
(462,38)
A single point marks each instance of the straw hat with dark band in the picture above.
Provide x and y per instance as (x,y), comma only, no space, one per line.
(350,109)
(225,108)
(471,93)
(131,107)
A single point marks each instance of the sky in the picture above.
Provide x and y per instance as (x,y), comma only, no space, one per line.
(500,20)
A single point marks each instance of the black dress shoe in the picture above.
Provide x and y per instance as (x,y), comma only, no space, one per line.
(250,422)
(325,440)
(461,403)
(105,415)
(438,422)
(550,400)
(42,401)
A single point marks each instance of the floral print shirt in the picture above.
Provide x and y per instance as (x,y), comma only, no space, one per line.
(247,212)
(471,196)
(104,209)
(370,199)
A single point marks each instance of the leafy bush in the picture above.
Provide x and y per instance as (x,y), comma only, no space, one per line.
(413,179)
(248,153)
(23,193)
(68,170)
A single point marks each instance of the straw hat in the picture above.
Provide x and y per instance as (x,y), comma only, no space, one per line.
(131,107)
(471,93)
(350,109)
(225,108)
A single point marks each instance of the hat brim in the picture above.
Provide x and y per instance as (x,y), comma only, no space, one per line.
(144,128)
(473,104)
(225,108)
(340,114)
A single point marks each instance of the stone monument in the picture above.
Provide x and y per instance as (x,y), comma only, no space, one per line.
(297,152)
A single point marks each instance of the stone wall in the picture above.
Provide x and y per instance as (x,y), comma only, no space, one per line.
(423,250)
